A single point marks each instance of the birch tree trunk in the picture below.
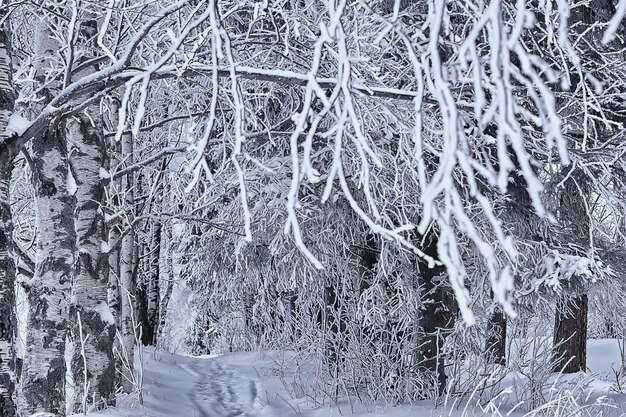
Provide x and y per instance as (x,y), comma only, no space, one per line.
(168,263)
(114,296)
(7,264)
(114,235)
(127,267)
(43,372)
(92,323)
(7,289)
(141,292)
(152,286)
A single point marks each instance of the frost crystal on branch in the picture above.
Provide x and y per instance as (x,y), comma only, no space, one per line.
(464,90)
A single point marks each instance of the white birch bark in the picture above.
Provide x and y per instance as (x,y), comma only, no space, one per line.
(43,372)
(114,297)
(127,264)
(153,296)
(7,292)
(114,293)
(168,267)
(93,368)
(114,236)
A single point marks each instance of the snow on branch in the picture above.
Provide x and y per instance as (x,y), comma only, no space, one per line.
(420,116)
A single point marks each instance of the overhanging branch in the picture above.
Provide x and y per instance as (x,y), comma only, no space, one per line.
(73,101)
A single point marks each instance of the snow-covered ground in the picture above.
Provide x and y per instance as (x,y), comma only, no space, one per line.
(255,385)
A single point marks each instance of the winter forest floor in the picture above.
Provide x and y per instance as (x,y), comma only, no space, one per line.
(253,385)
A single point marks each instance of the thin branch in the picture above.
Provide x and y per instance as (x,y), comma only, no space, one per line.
(137,166)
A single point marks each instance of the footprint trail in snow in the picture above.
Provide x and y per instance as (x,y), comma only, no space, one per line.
(182,386)
(217,392)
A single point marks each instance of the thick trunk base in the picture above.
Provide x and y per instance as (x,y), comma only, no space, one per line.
(570,335)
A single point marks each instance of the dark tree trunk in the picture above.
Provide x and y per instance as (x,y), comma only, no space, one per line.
(141,304)
(368,255)
(289,298)
(141,271)
(433,322)
(570,325)
(250,323)
(149,293)
(369,259)
(570,334)
(152,289)
(333,324)
(496,338)
(436,319)
(169,286)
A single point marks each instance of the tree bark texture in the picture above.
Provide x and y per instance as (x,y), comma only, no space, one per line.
(334,325)
(570,334)
(496,338)
(570,326)
(127,271)
(152,296)
(43,372)
(368,260)
(436,319)
(168,260)
(7,263)
(115,233)
(92,322)
(141,306)
(7,292)
(114,296)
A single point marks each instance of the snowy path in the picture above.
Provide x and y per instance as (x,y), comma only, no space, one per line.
(233,385)
(217,392)
(198,387)
(184,386)
(248,385)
